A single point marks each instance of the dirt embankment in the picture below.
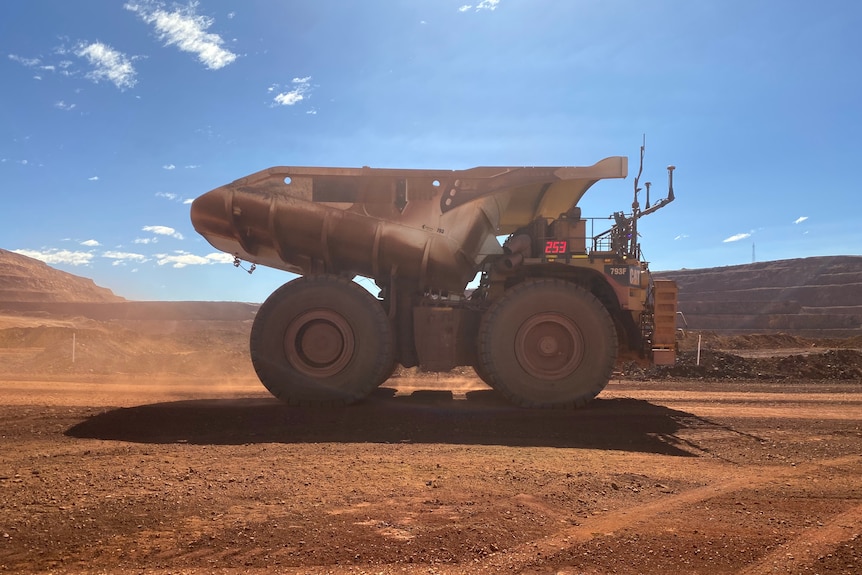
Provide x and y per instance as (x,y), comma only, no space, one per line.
(26,279)
(816,297)
(773,357)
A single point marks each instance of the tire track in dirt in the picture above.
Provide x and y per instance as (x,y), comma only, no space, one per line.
(532,553)
(814,542)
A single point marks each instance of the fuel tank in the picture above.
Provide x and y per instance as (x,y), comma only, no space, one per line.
(431,227)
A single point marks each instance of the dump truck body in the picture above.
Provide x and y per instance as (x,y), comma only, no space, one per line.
(433,226)
(422,236)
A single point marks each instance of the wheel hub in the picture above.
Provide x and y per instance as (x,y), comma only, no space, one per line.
(319,343)
(549,346)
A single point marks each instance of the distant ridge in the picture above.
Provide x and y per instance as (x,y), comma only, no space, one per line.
(31,287)
(817,297)
(24,279)
(810,297)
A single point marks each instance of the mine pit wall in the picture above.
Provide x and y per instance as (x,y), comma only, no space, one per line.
(809,297)
(144,317)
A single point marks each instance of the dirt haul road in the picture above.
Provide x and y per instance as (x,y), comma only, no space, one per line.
(106,474)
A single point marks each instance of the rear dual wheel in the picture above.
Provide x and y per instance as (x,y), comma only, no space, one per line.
(321,340)
(547,343)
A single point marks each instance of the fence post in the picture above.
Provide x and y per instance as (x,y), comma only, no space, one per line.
(698,349)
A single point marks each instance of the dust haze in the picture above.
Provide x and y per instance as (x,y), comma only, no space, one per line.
(157,450)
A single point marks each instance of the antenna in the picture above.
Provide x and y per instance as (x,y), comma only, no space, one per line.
(640,171)
(636,209)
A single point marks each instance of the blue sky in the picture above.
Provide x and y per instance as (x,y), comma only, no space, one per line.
(116,114)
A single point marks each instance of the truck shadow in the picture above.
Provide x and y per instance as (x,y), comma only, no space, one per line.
(424,417)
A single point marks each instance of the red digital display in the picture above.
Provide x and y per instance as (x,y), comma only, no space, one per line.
(556,246)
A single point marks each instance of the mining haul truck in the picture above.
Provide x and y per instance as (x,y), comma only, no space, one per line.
(553,307)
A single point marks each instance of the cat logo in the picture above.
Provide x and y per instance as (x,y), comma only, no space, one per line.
(625,275)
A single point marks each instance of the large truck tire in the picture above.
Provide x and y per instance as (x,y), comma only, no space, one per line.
(321,340)
(547,343)
(481,371)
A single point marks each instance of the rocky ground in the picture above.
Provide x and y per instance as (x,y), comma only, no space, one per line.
(738,465)
(135,439)
(775,357)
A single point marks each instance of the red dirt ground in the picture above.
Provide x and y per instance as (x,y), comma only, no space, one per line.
(172,474)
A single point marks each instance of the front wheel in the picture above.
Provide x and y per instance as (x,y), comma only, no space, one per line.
(547,343)
(321,340)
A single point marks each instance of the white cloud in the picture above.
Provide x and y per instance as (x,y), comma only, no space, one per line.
(799,220)
(301,86)
(124,257)
(288,98)
(55,256)
(146,241)
(108,64)
(29,62)
(169,167)
(681,237)
(192,166)
(61,105)
(163,231)
(736,238)
(63,67)
(483,5)
(170,196)
(90,243)
(188,201)
(182,259)
(94,179)
(186,30)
